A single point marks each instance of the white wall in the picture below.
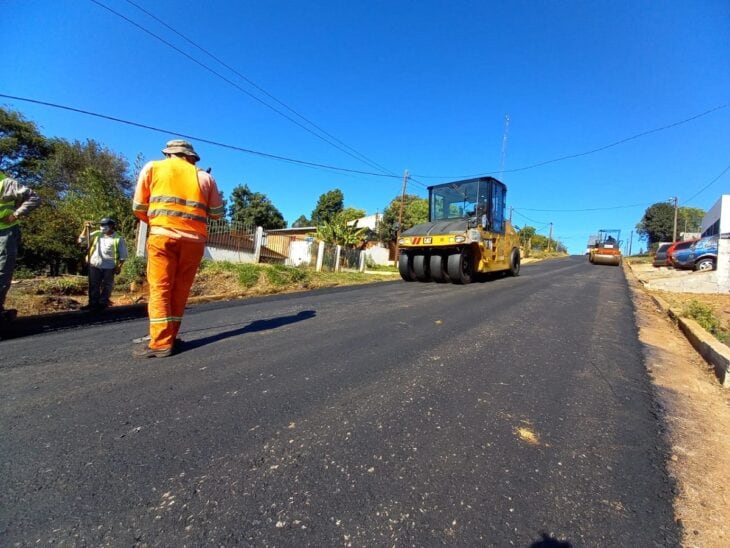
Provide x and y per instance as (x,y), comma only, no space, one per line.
(721,210)
(378,255)
(218,254)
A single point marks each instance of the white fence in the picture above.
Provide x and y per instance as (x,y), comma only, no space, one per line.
(246,244)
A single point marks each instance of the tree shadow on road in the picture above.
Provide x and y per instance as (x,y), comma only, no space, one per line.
(257,325)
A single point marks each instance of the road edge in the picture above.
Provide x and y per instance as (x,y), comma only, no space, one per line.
(713,351)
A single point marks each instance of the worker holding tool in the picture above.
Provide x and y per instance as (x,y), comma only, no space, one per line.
(16,201)
(175,199)
(106,252)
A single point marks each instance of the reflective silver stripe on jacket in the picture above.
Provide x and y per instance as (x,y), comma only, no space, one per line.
(173,213)
(178,201)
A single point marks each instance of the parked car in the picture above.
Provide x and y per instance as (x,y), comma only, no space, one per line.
(684,258)
(660,257)
(703,254)
(675,247)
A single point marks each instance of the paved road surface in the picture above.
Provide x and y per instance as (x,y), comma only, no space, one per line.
(507,412)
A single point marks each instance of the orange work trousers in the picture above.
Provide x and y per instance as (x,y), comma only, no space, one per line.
(171,267)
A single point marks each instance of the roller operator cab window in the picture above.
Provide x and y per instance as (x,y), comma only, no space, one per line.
(483,200)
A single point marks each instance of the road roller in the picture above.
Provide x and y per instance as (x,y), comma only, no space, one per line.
(606,249)
(467,234)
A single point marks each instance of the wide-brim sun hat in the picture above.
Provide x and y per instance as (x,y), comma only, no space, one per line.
(180,146)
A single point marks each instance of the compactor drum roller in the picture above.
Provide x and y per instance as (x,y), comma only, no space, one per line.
(467,234)
(606,248)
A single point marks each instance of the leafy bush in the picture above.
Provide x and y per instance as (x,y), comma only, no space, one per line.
(133,270)
(299,275)
(66,285)
(280,275)
(276,275)
(703,315)
(23,273)
(248,274)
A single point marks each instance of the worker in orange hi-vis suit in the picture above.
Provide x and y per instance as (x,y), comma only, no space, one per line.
(176,199)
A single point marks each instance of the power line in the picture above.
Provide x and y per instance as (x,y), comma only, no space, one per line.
(252,83)
(708,185)
(227,80)
(200,139)
(584,209)
(542,223)
(578,155)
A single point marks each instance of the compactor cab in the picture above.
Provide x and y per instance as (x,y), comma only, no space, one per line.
(467,233)
(606,249)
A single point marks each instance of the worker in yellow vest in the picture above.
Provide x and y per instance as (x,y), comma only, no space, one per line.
(176,199)
(106,253)
(16,201)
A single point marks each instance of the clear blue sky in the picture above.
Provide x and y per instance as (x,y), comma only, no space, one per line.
(423,86)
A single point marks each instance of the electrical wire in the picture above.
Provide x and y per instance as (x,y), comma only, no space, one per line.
(708,185)
(541,223)
(584,209)
(199,139)
(586,153)
(253,84)
(235,85)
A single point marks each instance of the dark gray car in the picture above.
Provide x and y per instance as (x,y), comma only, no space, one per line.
(660,257)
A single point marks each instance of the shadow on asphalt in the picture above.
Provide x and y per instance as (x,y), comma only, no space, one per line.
(24,326)
(257,325)
(33,325)
(548,541)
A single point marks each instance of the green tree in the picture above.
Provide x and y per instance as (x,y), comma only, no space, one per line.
(657,224)
(337,230)
(526,233)
(353,213)
(301,221)
(254,209)
(689,219)
(78,182)
(415,211)
(329,204)
(539,242)
(22,147)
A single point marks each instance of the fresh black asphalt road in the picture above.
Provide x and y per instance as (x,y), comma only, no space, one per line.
(515,411)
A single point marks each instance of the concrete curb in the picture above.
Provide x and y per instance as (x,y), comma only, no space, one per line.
(712,350)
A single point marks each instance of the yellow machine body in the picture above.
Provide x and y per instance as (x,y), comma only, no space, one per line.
(467,234)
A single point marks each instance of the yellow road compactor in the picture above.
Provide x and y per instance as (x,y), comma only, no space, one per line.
(467,234)
(606,249)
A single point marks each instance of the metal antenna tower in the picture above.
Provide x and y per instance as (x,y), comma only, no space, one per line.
(503,155)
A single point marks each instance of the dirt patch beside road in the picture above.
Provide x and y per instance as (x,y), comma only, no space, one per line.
(696,414)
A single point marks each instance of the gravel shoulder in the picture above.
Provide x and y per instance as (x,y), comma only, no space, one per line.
(696,414)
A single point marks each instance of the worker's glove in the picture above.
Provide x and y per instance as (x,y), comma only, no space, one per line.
(117,269)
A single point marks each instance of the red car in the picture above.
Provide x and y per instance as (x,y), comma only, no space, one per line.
(676,246)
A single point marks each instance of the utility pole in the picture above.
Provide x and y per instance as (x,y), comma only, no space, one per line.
(674,230)
(550,236)
(510,213)
(631,241)
(400,213)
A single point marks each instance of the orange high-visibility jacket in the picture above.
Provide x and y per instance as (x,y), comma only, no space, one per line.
(175,198)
